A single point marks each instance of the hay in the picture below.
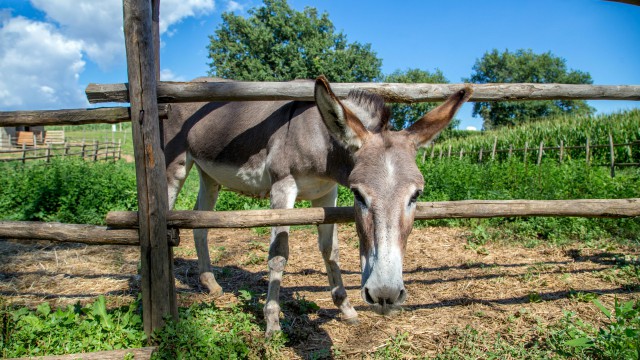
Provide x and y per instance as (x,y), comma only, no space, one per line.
(450,284)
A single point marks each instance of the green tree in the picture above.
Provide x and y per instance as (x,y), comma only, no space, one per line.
(524,66)
(278,43)
(403,115)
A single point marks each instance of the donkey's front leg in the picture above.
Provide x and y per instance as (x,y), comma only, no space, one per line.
(283,196)
(328,243)
(207,197)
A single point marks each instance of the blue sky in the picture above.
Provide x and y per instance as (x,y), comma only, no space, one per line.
(51,49)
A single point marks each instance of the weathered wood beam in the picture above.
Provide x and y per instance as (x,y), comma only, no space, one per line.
(630,2)
(138,354)
(615,208)
(156,258)
(80,233)
(401,93)
(111,115)
(106,115)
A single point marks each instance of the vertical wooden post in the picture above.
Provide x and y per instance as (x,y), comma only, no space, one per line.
(540,150)
(493,152)
(440,155)
(83,149)
(526,147)
(119,150)
(449,152)
(612,155)
(24,152)
(433,148)
(158,287)
(510,150)
(480,155)
(461,153)
(588,155)
(95,150)
(561,151)
(48,153)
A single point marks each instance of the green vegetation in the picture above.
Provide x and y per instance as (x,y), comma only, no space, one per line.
(524,66)
(572,130)
(203,332)
(620,339)
(460,180)
(403,115)
(47,331)
(278,43)
(70,190)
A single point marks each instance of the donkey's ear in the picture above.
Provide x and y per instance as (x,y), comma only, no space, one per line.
(343,125)
(430,125)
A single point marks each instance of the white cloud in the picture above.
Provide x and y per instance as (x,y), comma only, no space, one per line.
(40,67)
(41,61)
(234,6)
(168,75)
(473,128)
(174,11)
(98,24)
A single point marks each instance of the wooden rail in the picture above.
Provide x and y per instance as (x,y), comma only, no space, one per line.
(399,93)
(80,233)
(610,208)
(105,115)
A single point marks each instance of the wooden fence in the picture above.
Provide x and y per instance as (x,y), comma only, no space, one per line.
(93,151)
(152,227)
(538,150)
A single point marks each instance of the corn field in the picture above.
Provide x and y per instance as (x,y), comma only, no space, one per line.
(570,132)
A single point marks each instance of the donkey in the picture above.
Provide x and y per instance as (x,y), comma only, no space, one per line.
(292,150)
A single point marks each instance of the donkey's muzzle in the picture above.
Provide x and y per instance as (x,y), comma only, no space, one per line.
(384,299)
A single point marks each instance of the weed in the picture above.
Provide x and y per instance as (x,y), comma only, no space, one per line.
(255,259)
(619,339)
(582,296)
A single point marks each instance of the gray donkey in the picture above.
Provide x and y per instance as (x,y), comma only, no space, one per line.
(292,150)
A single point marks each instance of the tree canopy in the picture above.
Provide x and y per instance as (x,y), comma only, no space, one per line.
(278,43)
(403,115)
(524,66)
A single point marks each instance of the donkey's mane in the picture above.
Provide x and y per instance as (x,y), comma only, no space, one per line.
(374,106)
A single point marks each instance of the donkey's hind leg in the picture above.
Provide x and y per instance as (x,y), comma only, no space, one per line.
(207,196)
(328,243)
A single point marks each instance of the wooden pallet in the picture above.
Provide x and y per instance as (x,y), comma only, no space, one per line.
(54,137)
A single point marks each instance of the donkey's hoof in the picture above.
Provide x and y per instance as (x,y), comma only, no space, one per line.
(354,320)
(209,281)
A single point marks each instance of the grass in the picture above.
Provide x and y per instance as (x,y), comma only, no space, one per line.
(204,332)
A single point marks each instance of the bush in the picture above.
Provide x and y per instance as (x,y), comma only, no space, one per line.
(71,191)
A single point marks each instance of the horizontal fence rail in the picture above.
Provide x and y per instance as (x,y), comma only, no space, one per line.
(80,233)
(611,208)
(105,115)
(392,92)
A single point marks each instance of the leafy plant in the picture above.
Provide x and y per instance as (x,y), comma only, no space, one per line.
(75,329)
(619,339)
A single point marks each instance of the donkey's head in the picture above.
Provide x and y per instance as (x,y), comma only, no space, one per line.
(385,181)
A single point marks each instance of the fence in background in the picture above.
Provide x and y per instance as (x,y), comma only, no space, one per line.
(91,151)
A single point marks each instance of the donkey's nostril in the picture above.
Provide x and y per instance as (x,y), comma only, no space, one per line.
(402,296)
(367,297)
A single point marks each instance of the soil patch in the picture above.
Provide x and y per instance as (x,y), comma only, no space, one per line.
(501,289)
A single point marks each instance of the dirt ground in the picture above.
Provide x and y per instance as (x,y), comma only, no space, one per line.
(500,289)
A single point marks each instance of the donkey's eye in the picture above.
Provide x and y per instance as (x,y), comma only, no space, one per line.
(358,196)
(414,197)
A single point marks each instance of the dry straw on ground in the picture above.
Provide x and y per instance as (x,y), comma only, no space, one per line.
(500,289)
